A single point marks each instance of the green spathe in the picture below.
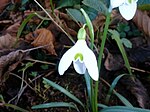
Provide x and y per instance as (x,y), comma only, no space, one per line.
(81,33)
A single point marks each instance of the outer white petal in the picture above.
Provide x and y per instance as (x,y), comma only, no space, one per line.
(116,3)
(79,66)
(66,60)
(128,10)
(90,63)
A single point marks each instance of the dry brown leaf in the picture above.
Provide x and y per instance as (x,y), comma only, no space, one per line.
(113,62)
(3,3)
(13,58)
(13,29)
(42,37)
(138,90)
(142,20)
(8,39)
(66,23)
(98,22)
(47,4)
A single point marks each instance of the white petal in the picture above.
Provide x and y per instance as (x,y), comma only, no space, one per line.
(79,66)
(90,63)
(116,3)
(128,10)
(66,60)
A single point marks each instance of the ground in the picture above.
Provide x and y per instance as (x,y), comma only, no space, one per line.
(32,46)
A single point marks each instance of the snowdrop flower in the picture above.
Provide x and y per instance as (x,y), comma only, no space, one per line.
(82,57)
(127,8)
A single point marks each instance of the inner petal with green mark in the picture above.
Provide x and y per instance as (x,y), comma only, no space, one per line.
(130,1)
(78,56)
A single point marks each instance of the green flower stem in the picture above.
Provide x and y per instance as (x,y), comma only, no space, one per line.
(91,31)
(100,58)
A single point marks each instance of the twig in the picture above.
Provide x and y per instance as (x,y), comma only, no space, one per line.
(55,21)
(140,70)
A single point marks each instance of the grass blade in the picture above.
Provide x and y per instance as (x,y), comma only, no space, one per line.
(90,27)
(61,89)
(88,86)
(23,25)
(113,85)
(123,109)
(54,105)
(102,105)
(123,99)
(15,107)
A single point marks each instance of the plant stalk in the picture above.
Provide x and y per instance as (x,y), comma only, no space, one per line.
(100,58)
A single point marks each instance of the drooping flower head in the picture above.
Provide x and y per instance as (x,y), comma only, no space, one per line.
(82,57)
(127,8)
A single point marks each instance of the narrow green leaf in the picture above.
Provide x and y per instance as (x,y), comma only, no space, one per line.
(23,2)
(123,99)
(15,107)
(76,15)
(113,85)
(116,37)
(61,89)
(90,27)
(123,109)
(54,105)
(88,85)
(97,5)
(102,105)
(1,98)
(23,25)
(67,3)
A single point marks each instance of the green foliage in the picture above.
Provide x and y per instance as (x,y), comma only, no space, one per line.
(123,27)
(116,37)
(141,2)
(23,2)
(11,105)
(15,107)
(1,98)
(123,109)
(44,67)
(126,43)
(126,30)
(33,74)
(27,65)
(23,25)
(78,16)
(91,7)
(113,85)
(144,5)
(61,89)
(67,3)
(123,100)
(97,5)
(55,105)
(90,27)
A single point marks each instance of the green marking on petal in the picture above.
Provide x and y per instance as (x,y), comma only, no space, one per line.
(130,1)
(78,55)
(81,33)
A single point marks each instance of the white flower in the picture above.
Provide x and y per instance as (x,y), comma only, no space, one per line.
(127,8)
(82,57)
